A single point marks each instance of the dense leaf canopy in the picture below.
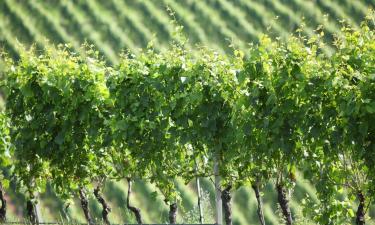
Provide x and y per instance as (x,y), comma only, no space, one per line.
(286,107)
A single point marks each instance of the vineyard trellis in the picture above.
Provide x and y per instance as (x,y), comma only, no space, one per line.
(76,122)
(64,223)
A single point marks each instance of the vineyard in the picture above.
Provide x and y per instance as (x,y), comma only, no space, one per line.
(134,110)
(116,25)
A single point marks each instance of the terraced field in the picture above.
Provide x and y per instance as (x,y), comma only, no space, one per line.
(113,26)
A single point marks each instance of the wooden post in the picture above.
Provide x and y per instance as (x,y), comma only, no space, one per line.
(199,195)
(219,205)
(38,213)
(199,202)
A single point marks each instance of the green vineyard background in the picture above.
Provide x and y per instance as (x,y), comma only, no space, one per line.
(113,26)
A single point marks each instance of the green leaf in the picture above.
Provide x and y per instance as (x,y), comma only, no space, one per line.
(370,107)
(351,213)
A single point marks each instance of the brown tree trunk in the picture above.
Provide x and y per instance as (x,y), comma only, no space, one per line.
(85,206)
(3,209)
(136,211)
(260,204)
(31,212)
(284,204)
(227,206)
(105,207)
(173,213)
(360,220)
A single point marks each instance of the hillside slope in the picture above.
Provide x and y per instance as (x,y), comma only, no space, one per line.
(113,26)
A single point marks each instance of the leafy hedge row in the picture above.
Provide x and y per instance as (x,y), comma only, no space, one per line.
(283,107)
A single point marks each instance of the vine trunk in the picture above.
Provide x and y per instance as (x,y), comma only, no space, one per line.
(31,212)
(284,204)
(136,211)
(173,213)
(105,207)
(360,219)
(85,206)
(260,204)
(227,205)
(3,209)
